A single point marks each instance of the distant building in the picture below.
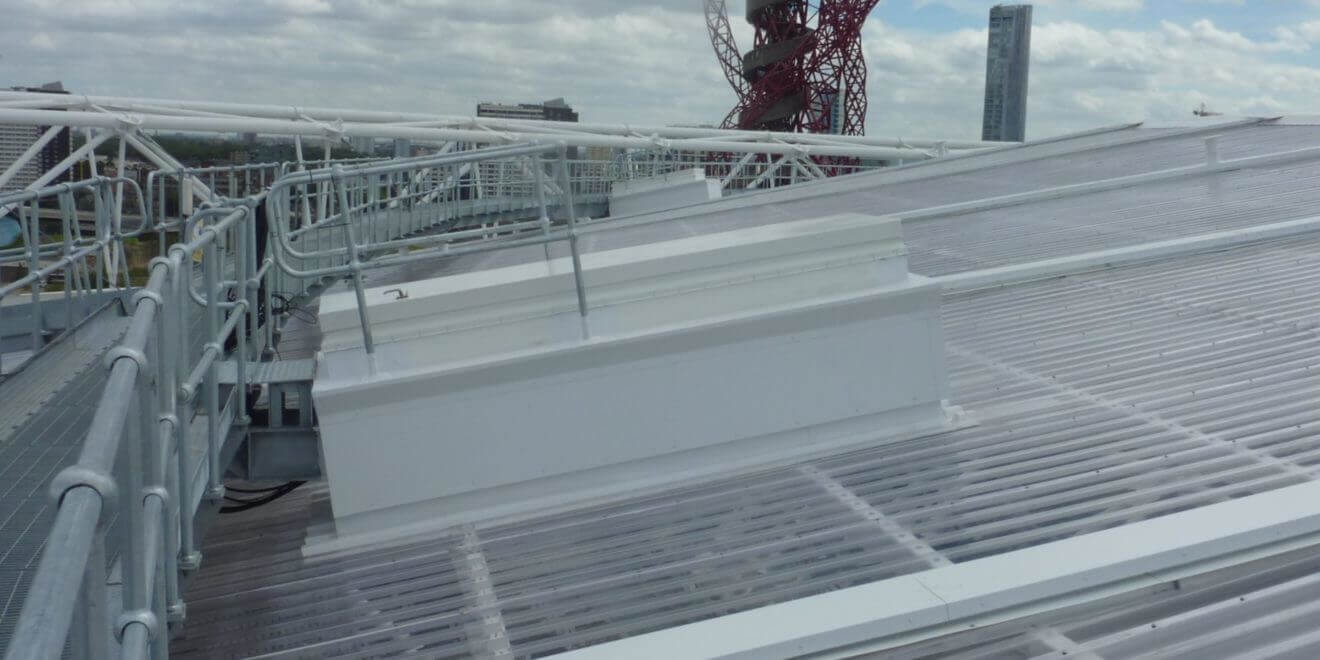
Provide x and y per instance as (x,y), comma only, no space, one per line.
(837,108)
(16,139)
(599,153)
(1007,58)
(363,144)
(552,110)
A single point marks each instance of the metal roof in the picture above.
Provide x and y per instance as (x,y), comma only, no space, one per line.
(1100,398)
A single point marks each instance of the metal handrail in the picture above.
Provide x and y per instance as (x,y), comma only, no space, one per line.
(353,258)
(139,400)
(158,382)
(160,377)
(73,254)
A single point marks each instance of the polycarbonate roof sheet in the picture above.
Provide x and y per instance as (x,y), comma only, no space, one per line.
(1012,234)
(1101,399)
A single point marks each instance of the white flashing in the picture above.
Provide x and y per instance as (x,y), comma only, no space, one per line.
(1116,183)
(1299,120)
(924,605)
(663,192)
(1124,256)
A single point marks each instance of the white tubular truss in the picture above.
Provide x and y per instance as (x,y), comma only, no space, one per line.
(293,120)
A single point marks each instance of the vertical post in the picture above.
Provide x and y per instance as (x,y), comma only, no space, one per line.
(189,558)
(302,199)
(242,274)
(67,220)
(168,352)
(573,240)
(117,258)
(30,225)
(323,195)
(91,626)
(162,236)
(185,197)
(210,278)
(355,266)
(132,551)
(540,200)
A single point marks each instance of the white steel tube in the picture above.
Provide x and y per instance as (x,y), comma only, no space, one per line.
(439,135)
(147,105)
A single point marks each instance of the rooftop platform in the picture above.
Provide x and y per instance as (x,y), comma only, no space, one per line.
(1102,396)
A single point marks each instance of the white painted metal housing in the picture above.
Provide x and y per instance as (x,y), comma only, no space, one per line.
(663,192)
(490,395)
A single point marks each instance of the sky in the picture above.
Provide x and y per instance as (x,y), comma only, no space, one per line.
(1093,63)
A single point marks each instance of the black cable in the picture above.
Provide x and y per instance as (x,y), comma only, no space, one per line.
(287,306)
(235,489)
(271,496)
(276,494)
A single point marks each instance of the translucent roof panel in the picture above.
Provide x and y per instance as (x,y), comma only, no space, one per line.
(1101,399)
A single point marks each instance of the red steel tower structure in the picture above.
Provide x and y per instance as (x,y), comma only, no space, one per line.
(805,71)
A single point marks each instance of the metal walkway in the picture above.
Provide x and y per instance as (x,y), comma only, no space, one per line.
(44,412)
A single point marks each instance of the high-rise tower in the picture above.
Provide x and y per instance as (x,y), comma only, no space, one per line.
(1007,59)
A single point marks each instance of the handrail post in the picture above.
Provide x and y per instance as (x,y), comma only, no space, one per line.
(133,554)
(354,264)
(242,275)
(30,225)
(91,625)
(539,174)
(573,240)
(188,557)
(168,353)
(210,278)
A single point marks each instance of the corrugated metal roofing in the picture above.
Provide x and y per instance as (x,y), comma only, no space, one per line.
(1102,399)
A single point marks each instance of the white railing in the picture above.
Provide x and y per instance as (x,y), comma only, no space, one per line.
(310,227)
(164,396)
(86,261)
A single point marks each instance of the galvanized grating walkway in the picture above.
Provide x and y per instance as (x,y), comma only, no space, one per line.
(54,399)
(44,413)
(1103,399)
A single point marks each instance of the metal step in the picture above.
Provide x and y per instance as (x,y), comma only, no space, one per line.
(282,442)
(283,453)
(279,371)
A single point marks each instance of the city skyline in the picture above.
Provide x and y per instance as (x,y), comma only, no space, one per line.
(1113,61)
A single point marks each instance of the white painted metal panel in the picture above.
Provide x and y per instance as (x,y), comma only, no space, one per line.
(705,355)
(663,192)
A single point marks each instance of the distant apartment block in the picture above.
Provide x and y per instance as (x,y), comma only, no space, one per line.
(16,139)
(1007,60)
(552,110)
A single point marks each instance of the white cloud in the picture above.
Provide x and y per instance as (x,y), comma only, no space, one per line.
(1310,31)
(625,62)
(933,83)
(981,6)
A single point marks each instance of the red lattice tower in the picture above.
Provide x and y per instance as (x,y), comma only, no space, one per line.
(806,54)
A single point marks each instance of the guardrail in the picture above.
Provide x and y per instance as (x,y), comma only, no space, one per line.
(359,233)
(87,264)
(163,394)
(149,399)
